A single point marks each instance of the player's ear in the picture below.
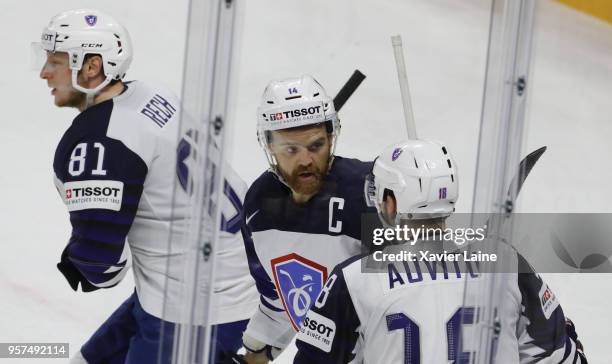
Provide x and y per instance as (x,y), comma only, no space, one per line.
(92,67)
(390,204)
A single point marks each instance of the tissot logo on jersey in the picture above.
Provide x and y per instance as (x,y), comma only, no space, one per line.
(318,330)
(92,191)
(299,282)
(546,296)
(321,328)
(548,300)
(93,194)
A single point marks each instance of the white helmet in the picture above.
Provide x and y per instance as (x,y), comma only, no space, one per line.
(292,103)
(88,31)
(421,175)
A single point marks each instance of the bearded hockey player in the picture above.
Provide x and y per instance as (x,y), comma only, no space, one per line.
(115,170)
(411,311)
(302,216)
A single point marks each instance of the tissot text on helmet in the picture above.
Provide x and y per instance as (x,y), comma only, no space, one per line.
(295,113)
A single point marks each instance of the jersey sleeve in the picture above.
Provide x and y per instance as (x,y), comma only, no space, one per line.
(270,324)
(101,181)
(329,333)
(262,280)
(542,332)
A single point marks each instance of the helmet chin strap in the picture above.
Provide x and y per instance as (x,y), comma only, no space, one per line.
(332,151)
(89,92)
(274,167)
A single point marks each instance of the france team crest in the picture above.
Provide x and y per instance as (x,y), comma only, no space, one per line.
(91,20)
(396,153)
(299,282)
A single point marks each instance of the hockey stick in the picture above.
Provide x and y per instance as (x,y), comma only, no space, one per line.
(524,168)
(347,90)
(398,52)
(517,182)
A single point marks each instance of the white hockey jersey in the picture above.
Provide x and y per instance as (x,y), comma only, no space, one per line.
(115,169)
(412,312)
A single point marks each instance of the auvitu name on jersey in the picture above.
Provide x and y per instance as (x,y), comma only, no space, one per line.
(414,272)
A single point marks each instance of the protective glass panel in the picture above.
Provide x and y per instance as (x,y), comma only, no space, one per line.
(550,115)
(501,139)
(569,113)
(202,193)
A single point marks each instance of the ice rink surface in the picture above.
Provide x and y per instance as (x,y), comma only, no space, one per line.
(445,46)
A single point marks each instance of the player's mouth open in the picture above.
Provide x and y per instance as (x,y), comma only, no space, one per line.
(306,175)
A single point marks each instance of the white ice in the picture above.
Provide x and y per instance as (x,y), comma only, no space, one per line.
(445,46)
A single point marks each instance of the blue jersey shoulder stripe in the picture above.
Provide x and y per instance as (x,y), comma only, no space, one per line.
(269,306)
(114,219)
(262,280)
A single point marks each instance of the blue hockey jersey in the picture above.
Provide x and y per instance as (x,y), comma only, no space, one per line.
(292,247)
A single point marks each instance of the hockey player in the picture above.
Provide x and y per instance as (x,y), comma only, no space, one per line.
(114,169)
(302,216)
(411,311)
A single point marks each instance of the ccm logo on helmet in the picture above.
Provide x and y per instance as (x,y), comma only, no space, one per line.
(321,328)
(295,113)
(91,45)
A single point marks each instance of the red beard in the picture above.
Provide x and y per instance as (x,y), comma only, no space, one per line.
(305,180)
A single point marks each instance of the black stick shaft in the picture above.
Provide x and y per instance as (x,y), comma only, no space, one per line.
(525,168)
(347,90)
